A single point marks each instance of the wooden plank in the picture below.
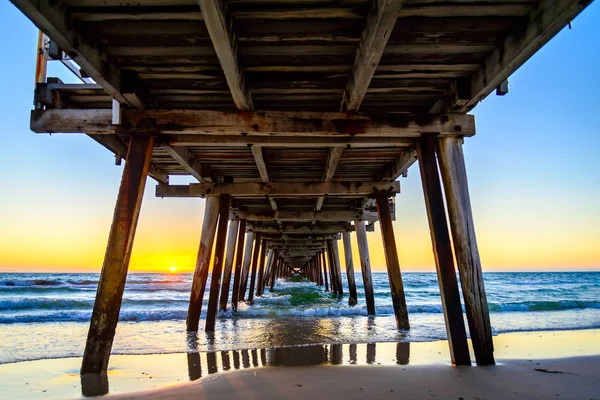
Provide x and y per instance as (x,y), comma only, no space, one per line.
(53,20)
(215,280)
(207,238)
(456,188)
(393,265)
(228,269)
(97,121)
(395,170)
(111,285)
(335,153)
(305,216)
(379,27)
(202,173)
(225,44)
(260,163)
(545,21)
(237,278)
(442,251)
(302,229)
(365,265)
(353,299)
(246,265)
(278,189)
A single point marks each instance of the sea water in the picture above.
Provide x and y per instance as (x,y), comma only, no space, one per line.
(47,315)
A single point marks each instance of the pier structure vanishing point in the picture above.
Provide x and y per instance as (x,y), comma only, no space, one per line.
(297,120)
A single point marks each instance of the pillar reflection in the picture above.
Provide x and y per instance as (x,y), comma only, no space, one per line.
(402,353)
(194,366)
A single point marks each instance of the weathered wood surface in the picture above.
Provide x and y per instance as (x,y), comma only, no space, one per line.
(321,255)
(442,251)
(239,255)
(255,254)
(201,172)
(201,140)
(207,238)
(301,229)
(215,281)
(335,153)
(246,265)
(335,257)
(393,265)
(224,41)
(109,296)
(98,121)
(353,299)
(278,189)
(380,24)
(228,268)
(365,265)
(456,188)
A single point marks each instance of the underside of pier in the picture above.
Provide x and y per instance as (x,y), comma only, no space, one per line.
(296,119)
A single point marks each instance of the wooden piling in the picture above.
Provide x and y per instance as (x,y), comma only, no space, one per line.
(255,254)
(338,265)
(353,300)
(109,295)
(272,275)
(324,266)
(246,265)
(442,251)
(227,270)
(456,188)
(215,281)
(393,265)
(332,269)
(235,293)
(365,265)
(207,238)
(261,269)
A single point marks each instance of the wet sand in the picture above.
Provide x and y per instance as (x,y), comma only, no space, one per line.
(530,365)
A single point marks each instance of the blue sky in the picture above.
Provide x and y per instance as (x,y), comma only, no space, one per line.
(533,170)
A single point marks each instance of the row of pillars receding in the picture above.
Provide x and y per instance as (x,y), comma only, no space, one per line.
(250,250)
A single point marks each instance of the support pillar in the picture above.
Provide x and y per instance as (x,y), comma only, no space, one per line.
(254,267)
(227,270)
(324,266)
(454,176)
(235,293)
(261,270)
(349,269)
(442,251)
(207,238)
(393,265)
(365,265)
(215,281)
(246,265)
(116,260)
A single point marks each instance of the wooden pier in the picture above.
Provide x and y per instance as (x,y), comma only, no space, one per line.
(297,119)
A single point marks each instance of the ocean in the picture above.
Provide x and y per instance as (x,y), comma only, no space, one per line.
(46,315)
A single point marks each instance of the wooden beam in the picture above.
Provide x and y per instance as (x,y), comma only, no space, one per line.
(224,41)
(202,173)
(454,175)
(207,238)
(400,166)
(279,189)
(265,123)
(199,140)
(353,299)
(111,285)
(262,170)
(305,216)
(442,251)
(380,24)
(54,20)
(255,253)
(335,153)
(393,265)
(294,229)
(543,22)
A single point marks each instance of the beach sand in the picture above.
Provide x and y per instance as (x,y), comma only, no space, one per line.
(554,364)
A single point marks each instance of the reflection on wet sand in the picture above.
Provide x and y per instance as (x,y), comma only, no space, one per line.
(332,354)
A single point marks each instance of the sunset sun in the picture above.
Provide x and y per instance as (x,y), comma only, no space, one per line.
(173,268)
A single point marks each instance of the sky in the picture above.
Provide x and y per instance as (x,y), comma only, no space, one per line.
(532,168)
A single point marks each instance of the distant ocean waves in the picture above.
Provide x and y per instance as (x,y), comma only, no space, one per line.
(40,298)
